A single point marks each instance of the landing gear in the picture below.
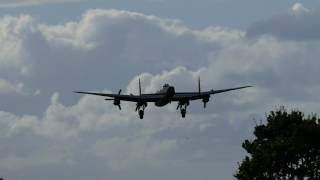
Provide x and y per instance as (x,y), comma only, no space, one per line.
(183,113)
(141,113)
(183,108)
(141,107)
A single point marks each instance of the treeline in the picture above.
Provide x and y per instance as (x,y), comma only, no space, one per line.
(287,146)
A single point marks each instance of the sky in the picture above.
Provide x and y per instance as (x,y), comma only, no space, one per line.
(50,48)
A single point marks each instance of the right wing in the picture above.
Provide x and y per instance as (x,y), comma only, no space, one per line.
(131,98)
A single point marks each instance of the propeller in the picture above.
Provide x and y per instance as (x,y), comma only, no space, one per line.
(138,104)
(205,100)
(139,87)
(116,102)
(119,106)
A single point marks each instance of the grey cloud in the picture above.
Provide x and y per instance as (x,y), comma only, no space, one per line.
(18,3)
(8,88)
(299,24)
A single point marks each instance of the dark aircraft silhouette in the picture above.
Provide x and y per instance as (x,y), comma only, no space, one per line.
(163,97)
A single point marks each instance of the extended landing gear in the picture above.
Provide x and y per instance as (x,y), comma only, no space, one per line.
(141,114)
(183,113)
(141,107)
(183,108)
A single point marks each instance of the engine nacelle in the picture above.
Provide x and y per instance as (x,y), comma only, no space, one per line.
(116,102)
(206,99)
(141,104)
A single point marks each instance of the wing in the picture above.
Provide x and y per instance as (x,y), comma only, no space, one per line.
(226,90)
(189,96)
(131,98)
(196,95)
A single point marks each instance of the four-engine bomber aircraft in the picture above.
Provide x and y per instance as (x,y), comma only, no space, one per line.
(163,97)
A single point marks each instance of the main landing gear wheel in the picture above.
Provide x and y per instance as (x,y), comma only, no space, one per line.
(141,113)
(183,113)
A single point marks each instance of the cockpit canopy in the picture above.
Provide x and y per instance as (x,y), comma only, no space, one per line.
(166,85)
(164,88)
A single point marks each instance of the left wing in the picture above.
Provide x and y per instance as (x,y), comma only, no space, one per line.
(226,90)
(200,95)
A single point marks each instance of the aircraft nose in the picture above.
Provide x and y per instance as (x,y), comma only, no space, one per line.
(171,91)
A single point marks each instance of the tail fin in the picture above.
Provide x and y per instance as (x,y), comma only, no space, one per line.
(199,84)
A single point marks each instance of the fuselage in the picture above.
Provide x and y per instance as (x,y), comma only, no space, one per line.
(168,92)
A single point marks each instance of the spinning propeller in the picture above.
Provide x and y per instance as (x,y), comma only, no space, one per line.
(116,102)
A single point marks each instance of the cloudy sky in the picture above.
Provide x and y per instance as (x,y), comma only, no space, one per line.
(49,48)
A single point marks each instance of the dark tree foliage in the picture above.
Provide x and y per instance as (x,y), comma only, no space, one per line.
(287,147)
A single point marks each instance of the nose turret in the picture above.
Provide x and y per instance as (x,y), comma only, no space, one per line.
(171,91)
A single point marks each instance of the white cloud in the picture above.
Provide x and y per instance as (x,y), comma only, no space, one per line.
(107,49)
(7,87)
(298,9)
(128,152)
(124,143)
(13,31)
(299,24)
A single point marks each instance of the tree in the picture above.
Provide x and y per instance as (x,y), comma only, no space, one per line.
(286,147)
